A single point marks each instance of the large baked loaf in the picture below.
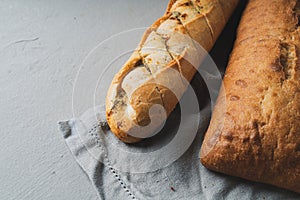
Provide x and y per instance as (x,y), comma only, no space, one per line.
(255,128)
(160,68)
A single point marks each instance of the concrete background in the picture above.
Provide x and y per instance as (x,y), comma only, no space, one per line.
(42,44)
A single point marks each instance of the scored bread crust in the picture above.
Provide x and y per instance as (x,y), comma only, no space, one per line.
(255,128)
(171,44)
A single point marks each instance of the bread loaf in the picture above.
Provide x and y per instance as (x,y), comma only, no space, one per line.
(255,128)
(158,71)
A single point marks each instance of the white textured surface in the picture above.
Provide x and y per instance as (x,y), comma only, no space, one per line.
(42,44)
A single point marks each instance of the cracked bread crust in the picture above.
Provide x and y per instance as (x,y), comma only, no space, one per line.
(255,128)
(148,79)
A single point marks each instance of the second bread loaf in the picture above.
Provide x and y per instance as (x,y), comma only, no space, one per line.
(255,127)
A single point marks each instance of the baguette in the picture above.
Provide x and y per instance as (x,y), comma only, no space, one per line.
(255,128)
(158,71)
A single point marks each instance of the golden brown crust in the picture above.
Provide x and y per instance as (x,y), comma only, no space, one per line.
(254,131)
(228,7)
(158,71)
(215,20)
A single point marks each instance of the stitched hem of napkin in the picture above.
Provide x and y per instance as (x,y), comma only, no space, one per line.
(94,132)
(66,129)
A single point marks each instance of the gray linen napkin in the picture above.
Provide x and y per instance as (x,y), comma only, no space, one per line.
(100,154)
